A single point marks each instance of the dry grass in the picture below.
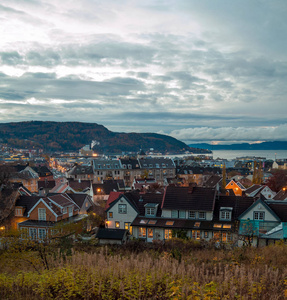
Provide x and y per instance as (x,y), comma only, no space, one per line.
(170,273)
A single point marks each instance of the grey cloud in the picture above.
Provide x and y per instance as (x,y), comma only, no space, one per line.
(42,85)
(11,58)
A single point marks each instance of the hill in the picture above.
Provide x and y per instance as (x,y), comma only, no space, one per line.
(276,145)
(71,136)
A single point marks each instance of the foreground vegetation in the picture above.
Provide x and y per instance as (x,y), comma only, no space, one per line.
(176,270)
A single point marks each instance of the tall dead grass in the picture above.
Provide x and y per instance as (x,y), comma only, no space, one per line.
(111,273)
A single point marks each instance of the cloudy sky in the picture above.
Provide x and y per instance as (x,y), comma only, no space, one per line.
(201,71)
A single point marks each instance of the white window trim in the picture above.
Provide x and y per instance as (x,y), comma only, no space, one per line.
(40,218)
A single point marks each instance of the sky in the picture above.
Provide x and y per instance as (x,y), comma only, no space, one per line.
(201,71)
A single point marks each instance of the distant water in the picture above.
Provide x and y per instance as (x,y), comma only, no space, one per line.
(232,154)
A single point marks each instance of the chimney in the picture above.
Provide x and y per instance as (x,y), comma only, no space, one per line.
(41,192)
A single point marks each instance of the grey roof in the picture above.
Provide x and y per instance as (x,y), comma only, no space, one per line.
(78,170)
(156,163)
(130,163)
(106,164)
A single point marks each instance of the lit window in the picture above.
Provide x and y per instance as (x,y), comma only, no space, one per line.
(169,223)
(196,224)
(167,234)
(196,234)
(227,226)
(127,226)
(217,225)
(117,224)
(205,234)
(142,232)
(192,214)
(18,212)
(150,233)
(122,208)
(152,222)
(259,215)
(201,215)
(110,214)
(42,214)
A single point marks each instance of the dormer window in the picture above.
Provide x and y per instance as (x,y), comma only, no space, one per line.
(225,213)
(151,209)
(18,212)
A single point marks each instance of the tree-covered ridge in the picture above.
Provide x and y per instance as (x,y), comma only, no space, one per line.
(65,136)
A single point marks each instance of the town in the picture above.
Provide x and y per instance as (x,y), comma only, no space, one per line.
(142,196)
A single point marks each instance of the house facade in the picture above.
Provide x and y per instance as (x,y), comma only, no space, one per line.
(198,213)
(37,216)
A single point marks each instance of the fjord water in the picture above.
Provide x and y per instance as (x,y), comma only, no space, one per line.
(232,154)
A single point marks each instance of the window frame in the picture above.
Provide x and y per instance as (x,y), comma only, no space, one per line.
(122,208)
(259,213)
(204,214)
(42,216)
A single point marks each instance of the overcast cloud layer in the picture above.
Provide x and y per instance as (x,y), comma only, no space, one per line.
(200,71)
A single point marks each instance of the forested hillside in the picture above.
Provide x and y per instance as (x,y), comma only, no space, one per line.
(63,136)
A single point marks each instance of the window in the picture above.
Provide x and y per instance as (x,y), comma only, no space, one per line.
(201,215)
(18,212)
(152,222)
(127,225)
(33,233)
(42,214)
(42,233)
(206,234)
(111,214)
(122,208)
(227,226)
(64,210)
(150,211)
(196,234)
(196,224)
(174,213)
(167,234)
(259,215)
(150,233)
(142,232)
(192,214)
(225,215)
(117,224)
(226,237)
(217,225)
(70,211)
(143,221)
(182,214)
(169,223)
